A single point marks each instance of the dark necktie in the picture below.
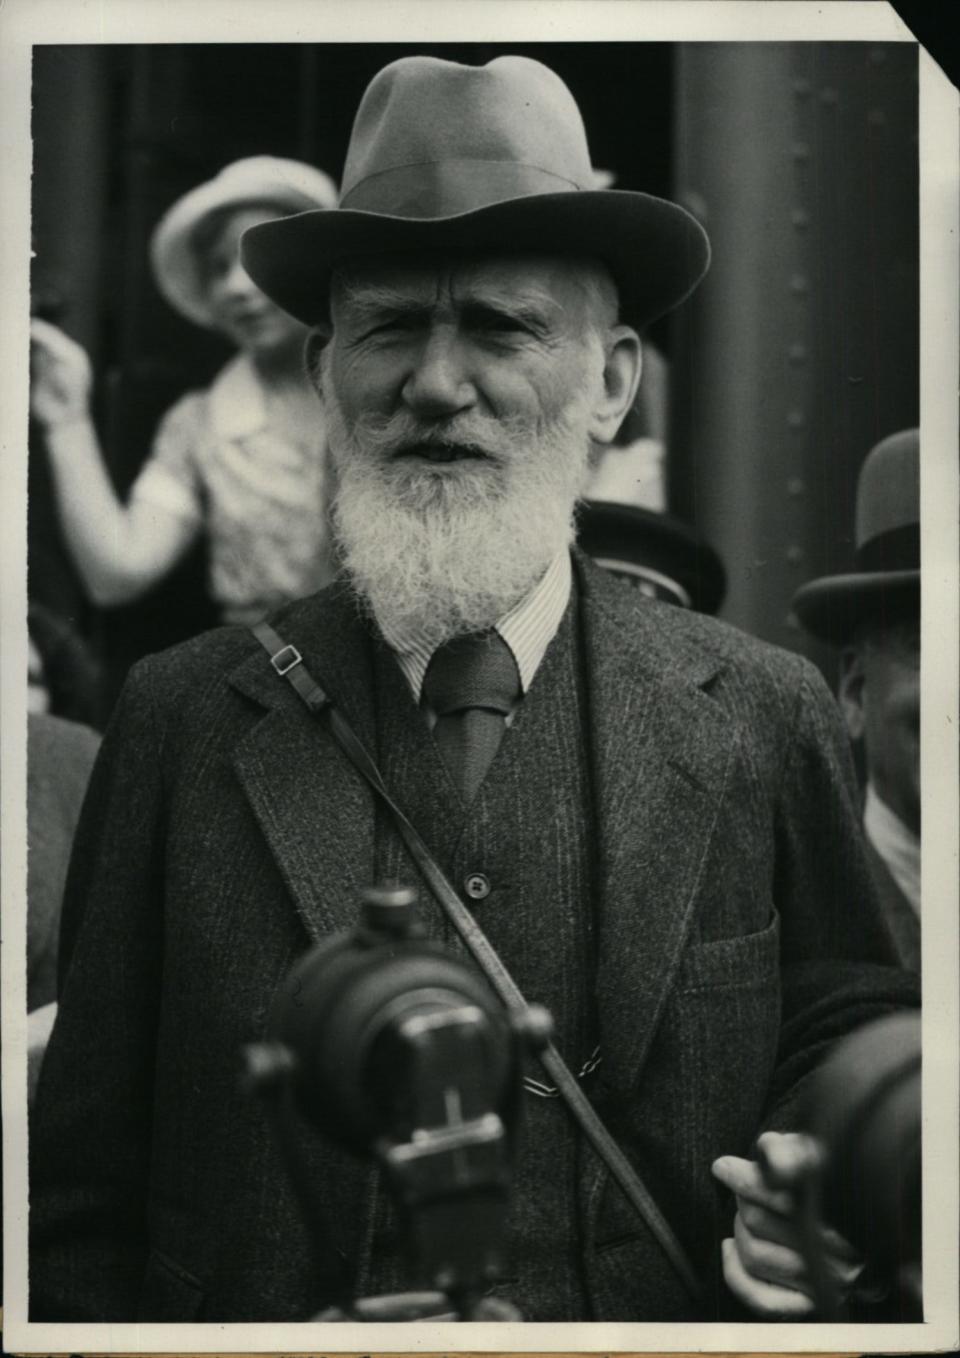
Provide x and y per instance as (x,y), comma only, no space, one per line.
(471,683)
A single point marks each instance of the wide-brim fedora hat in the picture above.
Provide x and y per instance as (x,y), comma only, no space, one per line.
(664,557)
(448,159)
(289,185)
(884,583)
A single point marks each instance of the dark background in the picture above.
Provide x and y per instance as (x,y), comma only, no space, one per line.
(796,355)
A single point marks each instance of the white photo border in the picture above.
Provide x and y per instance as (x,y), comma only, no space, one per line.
(27,22)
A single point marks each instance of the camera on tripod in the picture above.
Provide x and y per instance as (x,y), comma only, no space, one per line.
(389,1045)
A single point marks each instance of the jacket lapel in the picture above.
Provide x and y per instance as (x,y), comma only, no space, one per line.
(314,809)
(661,749)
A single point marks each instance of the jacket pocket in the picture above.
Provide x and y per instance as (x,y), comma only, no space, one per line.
(169,1292)
(747,961)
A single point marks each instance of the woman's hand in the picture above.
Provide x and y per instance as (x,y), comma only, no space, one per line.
(60,377)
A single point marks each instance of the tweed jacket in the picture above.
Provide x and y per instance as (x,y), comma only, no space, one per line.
(224,830)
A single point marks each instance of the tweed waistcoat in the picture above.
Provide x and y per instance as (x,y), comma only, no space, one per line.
(529,833)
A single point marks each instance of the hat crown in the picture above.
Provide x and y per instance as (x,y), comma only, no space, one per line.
(290,183)
(884,583)
(888,488)
(512,114)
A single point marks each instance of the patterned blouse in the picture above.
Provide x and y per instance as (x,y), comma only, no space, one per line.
(259,492)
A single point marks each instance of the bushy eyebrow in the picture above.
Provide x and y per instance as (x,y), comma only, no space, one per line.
(526,302)
(367,300)
(533,307)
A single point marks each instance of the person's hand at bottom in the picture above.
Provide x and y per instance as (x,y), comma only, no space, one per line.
(763,1262)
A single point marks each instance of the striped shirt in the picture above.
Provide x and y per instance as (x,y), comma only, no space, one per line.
(527,629)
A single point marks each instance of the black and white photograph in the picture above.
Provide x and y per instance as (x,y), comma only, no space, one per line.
(463,748)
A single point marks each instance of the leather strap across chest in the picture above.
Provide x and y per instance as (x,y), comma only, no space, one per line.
(288,664)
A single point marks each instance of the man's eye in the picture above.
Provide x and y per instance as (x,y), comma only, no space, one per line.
(393,325)
(500,325)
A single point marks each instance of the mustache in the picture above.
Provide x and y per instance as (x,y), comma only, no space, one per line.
(474,434)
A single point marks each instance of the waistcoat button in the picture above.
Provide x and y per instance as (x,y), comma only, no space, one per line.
(477,886)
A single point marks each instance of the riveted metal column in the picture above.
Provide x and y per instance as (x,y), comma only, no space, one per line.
(801,348)
(69,186)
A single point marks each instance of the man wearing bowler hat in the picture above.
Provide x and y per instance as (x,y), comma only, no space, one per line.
(659,555)
(873,613)
(650,815)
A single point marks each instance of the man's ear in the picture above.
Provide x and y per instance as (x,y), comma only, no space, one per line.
(623,363)
(850,693)
(316,342)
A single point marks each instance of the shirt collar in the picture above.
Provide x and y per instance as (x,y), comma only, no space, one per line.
(236,402)
(528,628)
(896,844)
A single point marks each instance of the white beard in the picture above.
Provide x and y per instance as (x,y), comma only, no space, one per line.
(437,552)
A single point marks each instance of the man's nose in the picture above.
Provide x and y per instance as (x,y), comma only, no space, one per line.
(439,382)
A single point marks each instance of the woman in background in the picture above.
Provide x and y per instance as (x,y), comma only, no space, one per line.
(244,460)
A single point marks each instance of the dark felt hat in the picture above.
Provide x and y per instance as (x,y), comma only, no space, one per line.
(446,158)
(661,555)
(885,580)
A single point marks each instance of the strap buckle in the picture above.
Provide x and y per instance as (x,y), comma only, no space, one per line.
(284,661)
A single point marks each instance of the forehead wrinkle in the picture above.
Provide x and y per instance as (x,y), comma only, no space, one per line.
(513,291)
(456,284)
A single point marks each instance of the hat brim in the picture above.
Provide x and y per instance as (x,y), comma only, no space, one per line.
(656,251)
(833,607)
(656,542)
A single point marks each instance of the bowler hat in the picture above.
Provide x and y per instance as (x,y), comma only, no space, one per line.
(177,267)
(885,581)
(661,555)
(449,159)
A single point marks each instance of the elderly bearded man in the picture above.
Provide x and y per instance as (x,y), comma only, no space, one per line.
(663,847)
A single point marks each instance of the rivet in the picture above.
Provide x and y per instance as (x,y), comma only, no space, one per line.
(877,118)
(798,283)
(877,55)
(801,88)
(795,486)
(800,218)
(797,353)
(795,419)
(793,622)
(696,205)
(829,95)
(800,151)
(794,555)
